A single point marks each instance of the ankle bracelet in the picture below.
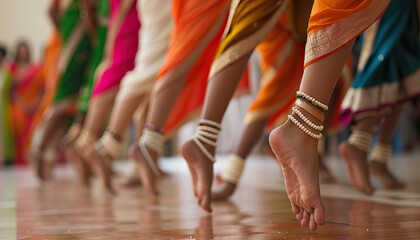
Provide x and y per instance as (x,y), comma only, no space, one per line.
(306,120)
(85,139)
(381,153)
(315,112)
(234,169)
(313,101)
(207,132)
(361,140)
(108,145)
(303,128)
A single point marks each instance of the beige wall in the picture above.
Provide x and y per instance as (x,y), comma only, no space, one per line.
(24,19)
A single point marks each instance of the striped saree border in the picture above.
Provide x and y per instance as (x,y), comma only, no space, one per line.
(328,40)
(247,44)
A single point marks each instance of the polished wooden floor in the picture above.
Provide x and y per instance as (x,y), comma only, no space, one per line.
(259,209)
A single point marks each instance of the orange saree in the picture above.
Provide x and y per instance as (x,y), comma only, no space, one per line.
(198,28)
(334,23)
(49,75)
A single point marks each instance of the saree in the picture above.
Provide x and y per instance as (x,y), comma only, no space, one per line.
(7,140)
(389,66)
(124,52)
(96,56)
(49,75)
(334,23)
(154,37)
(249,23)
(21,93)
(282,58)
(198,28)
(74,57)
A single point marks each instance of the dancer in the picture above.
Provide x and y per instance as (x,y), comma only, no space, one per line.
(330,36)
(121,48)
(98,33)
(22,95)
(388,74)
(249,23)
(72,65)
(134,93)
(282,62)
(50,62)
(198,27)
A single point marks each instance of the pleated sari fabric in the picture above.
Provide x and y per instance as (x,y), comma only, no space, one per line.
(75,54)
(102,15)
(156,27)
(125,50)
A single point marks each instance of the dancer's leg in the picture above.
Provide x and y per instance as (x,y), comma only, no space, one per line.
(378,167)
(99,109)
(74,130)
(219,92)
(356,157)
(133,179)
(249,138)
(300,167)
(43,134)
(227,69)
(160,106)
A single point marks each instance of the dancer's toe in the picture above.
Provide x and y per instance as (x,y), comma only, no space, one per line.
(305,220)
(312,223)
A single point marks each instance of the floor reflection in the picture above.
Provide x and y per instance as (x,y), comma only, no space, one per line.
(62,209)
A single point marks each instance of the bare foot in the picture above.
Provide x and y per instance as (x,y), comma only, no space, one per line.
(49,165)
(324,172)
(83,169)
(101,167)
(201,169)
(223,190)
(38,164)
(130,182)
(146,174)
(297,154)
(382,172)
(357,167)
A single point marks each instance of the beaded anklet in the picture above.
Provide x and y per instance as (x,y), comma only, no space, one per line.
(313,101)
(155,141)
(313,110)
(207,132)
